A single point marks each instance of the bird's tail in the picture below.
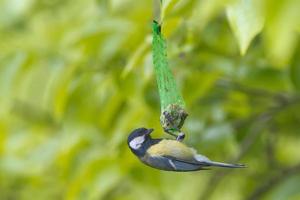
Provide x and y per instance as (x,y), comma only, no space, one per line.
(205,161)
(220,164)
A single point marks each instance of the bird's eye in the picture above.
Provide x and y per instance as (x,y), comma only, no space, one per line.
(137,142)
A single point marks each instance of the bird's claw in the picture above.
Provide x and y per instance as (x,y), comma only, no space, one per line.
(180,137)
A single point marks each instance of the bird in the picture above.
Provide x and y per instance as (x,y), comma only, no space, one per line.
(169,154)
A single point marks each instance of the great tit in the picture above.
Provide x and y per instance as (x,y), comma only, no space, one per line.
(168,154)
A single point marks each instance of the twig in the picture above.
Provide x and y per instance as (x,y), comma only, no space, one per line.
(228,84)
(279,97)
(270,147)
(273,181)
(156,10)
(259,124)
(262,120)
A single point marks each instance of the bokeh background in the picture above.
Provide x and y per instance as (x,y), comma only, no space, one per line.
(76,77)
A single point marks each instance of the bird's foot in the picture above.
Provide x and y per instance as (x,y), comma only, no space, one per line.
(180,137)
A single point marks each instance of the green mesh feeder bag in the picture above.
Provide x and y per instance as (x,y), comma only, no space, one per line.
(172,104)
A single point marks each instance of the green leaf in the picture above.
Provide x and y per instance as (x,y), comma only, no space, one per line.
(280,35)
(204,11)
(137,56)
(246,21)
(295,71)
(167,5)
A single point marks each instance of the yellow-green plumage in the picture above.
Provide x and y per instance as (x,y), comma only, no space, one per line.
(169,155)
(172,148)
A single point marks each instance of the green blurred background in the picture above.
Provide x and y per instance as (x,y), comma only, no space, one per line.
(76,77)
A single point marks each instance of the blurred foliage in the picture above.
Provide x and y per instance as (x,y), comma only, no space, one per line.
(77,76)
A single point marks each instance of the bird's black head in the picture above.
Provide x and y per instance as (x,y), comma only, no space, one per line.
(139,140)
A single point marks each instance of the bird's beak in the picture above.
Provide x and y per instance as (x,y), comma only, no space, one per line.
(149,131)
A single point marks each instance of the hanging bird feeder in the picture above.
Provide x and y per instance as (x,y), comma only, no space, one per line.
(173,112)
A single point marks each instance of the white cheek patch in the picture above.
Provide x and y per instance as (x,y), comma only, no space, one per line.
(136,143)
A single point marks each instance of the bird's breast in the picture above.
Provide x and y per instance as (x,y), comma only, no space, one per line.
(171,148)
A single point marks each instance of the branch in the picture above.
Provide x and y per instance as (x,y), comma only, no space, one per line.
(156,10)
(259,124)
(279,97)
(273,181)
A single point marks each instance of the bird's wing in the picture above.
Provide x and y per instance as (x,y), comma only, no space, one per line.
(191,161)
(172,164)
(182,156)
(203,161)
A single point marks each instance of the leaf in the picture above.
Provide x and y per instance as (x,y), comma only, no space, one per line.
(170,25)
(137,56)
(167,5)
(280,35)
(246,21)
(295,71)
(204,11)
